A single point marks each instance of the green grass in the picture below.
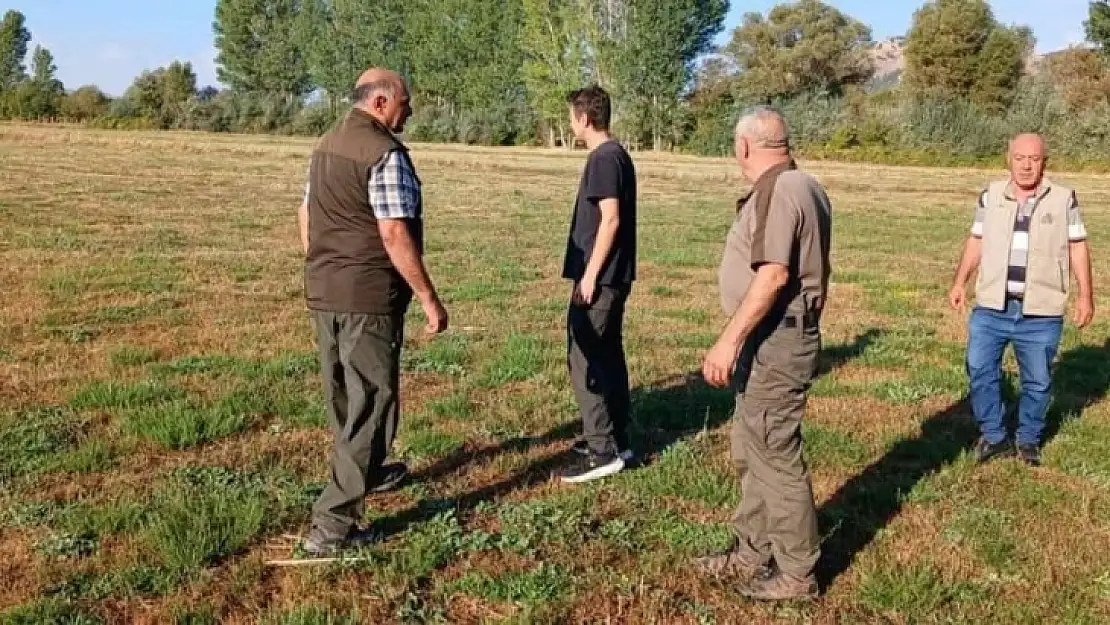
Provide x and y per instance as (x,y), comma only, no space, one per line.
(117,395)
(132,356)
(924,383)
(988,532)
(528,528)
(181,424)
(423,444)
(457,405)
(34,440)
(446,356)
(123,583)
(521,358)
(312,615)
(194,615)
(101,521)
(541,585)
(663,291)
(92,456)
(695,316)
(289,365)
(205,514)
(67,545)
(826,447)
(681,472)
(685,538)
(918,589)
(50,611)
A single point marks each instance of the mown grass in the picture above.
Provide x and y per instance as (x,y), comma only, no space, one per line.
(162,417)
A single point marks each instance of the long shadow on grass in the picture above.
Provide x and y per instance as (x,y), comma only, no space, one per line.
(867,503)
(682,406)
(666,411)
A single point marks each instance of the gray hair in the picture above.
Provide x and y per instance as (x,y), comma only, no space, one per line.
(382,86)
(765,126)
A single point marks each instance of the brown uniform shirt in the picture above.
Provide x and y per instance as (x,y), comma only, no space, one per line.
(786,219)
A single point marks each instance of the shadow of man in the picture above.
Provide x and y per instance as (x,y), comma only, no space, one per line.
(666,412)
(866,503)
(1081,378)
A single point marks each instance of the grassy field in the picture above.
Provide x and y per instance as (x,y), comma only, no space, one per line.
(162,434)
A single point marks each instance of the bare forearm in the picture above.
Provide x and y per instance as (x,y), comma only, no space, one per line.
(757,303)
(606,236)
(402,251)
(969,261)
(1081,266)
(302,218)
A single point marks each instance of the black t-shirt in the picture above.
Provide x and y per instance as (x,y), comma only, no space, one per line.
(609,173)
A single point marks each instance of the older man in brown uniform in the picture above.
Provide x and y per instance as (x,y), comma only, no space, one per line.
(773,279)
(363,236)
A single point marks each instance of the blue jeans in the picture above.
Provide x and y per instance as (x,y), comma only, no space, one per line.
(1035,340)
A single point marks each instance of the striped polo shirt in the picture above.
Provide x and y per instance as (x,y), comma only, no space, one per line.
(1019,244)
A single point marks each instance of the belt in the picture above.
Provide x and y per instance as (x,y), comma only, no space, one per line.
(807,320)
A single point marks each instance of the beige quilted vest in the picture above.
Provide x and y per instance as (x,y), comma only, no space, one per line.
(1048,273)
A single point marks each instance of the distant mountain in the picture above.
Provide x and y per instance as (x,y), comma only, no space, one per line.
(889,57)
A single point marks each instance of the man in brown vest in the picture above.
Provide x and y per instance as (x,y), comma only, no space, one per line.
(1027,238)
(362,231)
(773,279)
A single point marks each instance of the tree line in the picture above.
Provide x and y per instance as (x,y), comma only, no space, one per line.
(496,72)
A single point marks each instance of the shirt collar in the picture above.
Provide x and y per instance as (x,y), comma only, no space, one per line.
(1042,189)
(761,182)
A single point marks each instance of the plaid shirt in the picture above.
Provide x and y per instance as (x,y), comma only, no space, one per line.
(393,189)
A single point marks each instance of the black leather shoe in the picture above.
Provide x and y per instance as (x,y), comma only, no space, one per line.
(985,451)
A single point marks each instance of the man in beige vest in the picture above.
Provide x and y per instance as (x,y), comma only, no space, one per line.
(1027,235)
(774,279)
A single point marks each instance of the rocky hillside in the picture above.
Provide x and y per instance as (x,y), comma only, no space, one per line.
(889,57)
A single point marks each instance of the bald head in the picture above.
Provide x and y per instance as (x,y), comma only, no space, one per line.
(378,80)
(765,129)
(383,94)
(1027,157)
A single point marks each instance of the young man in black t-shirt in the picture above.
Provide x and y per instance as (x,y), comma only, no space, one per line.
(601,262)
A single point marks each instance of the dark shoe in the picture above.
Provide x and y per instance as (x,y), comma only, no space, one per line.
(321,544)
(582,447)
(1029,454)
(985,451)
(391,477)
(592,467)
(773,585)
(729,564)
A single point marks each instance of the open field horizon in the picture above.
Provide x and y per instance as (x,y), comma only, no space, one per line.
(162,432)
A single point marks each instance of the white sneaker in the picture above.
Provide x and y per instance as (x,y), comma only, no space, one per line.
(580,447)
(592,467)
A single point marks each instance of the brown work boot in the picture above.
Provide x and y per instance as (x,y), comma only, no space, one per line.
(774,585)
(728,564)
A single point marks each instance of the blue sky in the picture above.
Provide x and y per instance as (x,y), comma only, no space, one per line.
(108,42)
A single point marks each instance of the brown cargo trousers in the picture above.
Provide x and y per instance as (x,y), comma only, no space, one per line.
(361,368)
(777,517)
